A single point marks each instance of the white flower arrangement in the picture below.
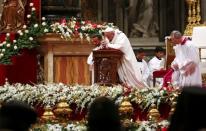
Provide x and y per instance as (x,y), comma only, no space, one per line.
(55,127)
(79,126)
(148,96)
(82,29)
(147,126)
(76,127)
(51,94)
(82,96)
(152,126)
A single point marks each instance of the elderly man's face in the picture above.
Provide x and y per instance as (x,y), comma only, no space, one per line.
(109,35)
(175,41)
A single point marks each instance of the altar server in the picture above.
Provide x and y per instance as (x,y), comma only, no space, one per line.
(142,64)
(156,64)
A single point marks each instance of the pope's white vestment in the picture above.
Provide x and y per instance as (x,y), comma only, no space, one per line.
(185,55)
(128,69)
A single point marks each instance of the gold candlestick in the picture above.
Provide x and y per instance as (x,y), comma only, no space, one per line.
(153,114)
(198,12)
(188,30)
(173,106)
(62,110)
(48,115)
(194,16)
(126,109)
(194,13)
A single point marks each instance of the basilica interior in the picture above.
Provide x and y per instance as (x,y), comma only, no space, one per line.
(49,60)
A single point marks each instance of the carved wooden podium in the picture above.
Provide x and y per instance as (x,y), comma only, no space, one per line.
(106,62)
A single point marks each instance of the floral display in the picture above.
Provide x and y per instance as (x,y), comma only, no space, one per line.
(78,28)
(50,94)
(25,38)
(146,97)
(152,126)
(82,96)
(78,126)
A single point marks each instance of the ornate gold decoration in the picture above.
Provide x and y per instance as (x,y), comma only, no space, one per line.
(173,101)
(103,89)
(139,97)
(127,123)
(154,114)
(48,115)
(172,108)
(62,111)
(126,109)
(203,78)
(194,17)
(198,12)
(194,13)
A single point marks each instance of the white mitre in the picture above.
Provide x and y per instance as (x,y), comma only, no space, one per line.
(109,29)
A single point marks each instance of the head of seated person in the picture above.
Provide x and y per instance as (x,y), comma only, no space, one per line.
(159,52)
(140,54)
(190,112)
(103,115)
(16,116)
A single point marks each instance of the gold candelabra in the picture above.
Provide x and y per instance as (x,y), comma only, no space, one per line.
(62,110)
(198,13)
(153,114)
(194,17)
(173,106)
(48,115)
(126,109)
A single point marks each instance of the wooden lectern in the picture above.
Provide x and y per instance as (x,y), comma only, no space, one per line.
(106,62)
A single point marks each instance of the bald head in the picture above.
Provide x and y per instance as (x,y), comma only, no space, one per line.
(176,37)
(176,34)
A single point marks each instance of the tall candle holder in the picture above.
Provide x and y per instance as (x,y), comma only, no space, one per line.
(194,16)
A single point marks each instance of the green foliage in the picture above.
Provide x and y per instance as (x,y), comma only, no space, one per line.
(25,38)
